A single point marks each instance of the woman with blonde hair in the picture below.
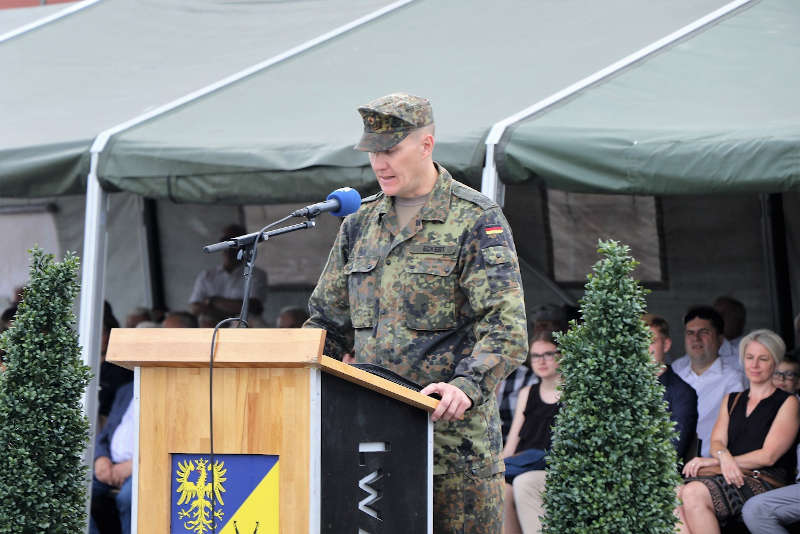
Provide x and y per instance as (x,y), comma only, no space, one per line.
(752,444)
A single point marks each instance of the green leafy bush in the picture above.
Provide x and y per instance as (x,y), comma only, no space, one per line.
(43,431)
(612,468)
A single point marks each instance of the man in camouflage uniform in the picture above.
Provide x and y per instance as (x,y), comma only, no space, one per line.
(423,279)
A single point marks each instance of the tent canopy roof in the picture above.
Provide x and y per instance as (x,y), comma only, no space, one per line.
(715,113)
(69,80)
(285,133)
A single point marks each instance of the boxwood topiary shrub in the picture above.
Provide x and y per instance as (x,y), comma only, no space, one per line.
(43,431)
(612,468)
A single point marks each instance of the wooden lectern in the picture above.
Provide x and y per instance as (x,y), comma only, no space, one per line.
(355,451)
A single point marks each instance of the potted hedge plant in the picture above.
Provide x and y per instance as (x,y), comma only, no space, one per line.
(43,431)
(612,468)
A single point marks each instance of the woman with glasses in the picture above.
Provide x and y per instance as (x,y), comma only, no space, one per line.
(529,439)
(752,444)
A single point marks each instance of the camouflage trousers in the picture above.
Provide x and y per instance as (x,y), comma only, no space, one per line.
(467,504)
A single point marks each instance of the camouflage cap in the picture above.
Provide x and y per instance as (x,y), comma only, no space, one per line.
(389,119)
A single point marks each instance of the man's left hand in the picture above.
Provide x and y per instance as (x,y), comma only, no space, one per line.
(453,404)
(121,472)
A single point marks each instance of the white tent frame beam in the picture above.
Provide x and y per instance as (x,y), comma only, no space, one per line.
(490,183)
(78,6)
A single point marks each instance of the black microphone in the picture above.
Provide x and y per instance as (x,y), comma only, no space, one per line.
(340,202)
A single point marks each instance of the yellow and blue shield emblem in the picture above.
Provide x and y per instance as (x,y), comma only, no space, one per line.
(237,494)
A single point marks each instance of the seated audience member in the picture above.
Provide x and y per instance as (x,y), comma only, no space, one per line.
(137,316)
(179,319)
(545,318)
(205,320)
(702,368)
(112,376)
(218,292)
(529,439)
(756,430)
(734,316)
(680,396)
(548,318)
(787,375)
(113,462)
(291,317)
(508,393)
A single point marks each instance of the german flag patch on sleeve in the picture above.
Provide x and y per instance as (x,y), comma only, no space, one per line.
(493,230)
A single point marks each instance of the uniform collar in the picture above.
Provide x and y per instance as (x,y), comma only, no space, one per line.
(438,204)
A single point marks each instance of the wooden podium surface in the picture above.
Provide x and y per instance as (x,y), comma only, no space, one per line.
(266,402)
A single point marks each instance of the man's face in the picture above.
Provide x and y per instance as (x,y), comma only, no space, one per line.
(399,170)
(702,339)
(660,346)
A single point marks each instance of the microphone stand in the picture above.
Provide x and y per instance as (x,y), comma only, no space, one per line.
(247,245)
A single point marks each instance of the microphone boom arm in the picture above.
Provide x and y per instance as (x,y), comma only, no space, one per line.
(247,249)
(248,239)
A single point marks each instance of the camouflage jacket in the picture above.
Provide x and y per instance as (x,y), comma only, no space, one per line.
(437,301)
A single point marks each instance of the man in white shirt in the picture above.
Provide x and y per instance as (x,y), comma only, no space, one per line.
(113,464)
(218,292)
(705,370)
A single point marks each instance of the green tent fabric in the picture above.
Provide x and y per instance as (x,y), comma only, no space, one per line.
(715,113)
(65,82)
(286,133)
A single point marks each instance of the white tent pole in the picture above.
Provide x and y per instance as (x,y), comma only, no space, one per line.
(490,185)
(93,265)
(46,20)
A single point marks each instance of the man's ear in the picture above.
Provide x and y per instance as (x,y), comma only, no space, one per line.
(667,344)
(427,143)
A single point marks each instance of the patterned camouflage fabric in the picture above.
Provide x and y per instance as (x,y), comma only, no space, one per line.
(468,504)
(389,119)
(439,300)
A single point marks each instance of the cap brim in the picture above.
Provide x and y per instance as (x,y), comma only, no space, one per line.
(379,142)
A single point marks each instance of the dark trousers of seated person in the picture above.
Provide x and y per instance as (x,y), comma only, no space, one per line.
(111,509)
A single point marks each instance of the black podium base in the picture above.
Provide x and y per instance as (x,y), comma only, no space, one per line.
(374,462)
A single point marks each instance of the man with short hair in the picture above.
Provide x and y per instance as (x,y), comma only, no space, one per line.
(680,396)
(424,279)
(711,376)
(218,292)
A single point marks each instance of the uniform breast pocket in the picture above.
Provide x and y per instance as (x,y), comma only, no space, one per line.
(362,286)
(500,268)
(430,289)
